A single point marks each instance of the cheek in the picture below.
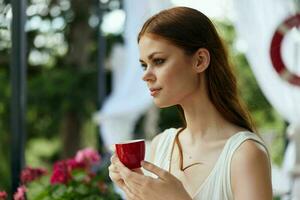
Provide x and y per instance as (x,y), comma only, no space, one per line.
(184,78)
(189,82)
(186,85)
(180,84)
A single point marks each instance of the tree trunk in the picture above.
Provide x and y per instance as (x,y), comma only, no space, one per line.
(80,37)
(71,134)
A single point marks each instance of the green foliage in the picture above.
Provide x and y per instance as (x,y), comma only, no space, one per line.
(41,151)
(62,76)
(56,91)
(84,176)
(76,189)
(169,117)
(4,125)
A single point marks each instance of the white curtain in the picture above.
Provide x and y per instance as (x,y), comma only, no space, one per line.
(130,97)
(256,22)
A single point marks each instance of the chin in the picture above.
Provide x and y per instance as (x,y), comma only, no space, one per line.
(161,104)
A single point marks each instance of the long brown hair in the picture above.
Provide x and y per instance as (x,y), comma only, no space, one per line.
(190,30)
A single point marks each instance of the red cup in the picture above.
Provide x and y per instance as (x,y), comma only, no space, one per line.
(131,153)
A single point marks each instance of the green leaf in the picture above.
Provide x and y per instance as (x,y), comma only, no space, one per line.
(79,175)
(82,189)
(59,191)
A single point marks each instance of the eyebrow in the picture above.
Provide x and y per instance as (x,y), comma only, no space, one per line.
(151,55)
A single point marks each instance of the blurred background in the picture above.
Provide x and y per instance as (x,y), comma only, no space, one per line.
(74,99)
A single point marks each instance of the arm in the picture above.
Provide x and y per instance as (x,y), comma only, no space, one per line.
(251,173)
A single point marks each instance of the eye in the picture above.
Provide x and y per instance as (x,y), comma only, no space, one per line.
(144,66)
(158,61)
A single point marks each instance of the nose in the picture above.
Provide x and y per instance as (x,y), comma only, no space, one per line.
(148,75)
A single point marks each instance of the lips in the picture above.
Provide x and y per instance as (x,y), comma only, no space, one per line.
(154,91)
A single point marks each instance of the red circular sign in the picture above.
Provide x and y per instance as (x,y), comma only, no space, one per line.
(275,50)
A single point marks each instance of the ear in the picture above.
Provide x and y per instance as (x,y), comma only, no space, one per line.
(202,60)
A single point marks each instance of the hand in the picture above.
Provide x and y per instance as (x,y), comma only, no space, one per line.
(140,187)
(114,173)
(115,176)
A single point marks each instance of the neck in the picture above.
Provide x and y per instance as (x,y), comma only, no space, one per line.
(204,122)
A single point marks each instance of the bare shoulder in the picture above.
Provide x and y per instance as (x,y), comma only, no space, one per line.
(250,149)
(250,172)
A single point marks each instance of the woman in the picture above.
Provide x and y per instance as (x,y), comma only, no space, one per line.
(216,155)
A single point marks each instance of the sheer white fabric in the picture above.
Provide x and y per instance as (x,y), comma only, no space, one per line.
(256,22)
(130,97)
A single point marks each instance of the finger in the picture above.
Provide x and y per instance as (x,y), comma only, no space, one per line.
(114,158)
(131,178)
(126,190)
(117,161)
(114,174)
(133,193)
(129,194)
(116,178)
(118,165)
(138,170)
(161,173)
(113,168)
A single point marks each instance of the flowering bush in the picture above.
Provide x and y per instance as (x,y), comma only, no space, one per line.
(3,195)
(82,177)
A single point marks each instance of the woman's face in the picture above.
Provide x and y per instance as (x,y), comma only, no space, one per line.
(168,71)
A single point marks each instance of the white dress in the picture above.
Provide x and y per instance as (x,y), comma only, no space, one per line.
(217,186)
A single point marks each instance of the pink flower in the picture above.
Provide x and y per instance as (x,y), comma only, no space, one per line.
(29,174)
(20,194)
(61,174)
(88,156)
(3,195)
(73,164)
(62,170)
